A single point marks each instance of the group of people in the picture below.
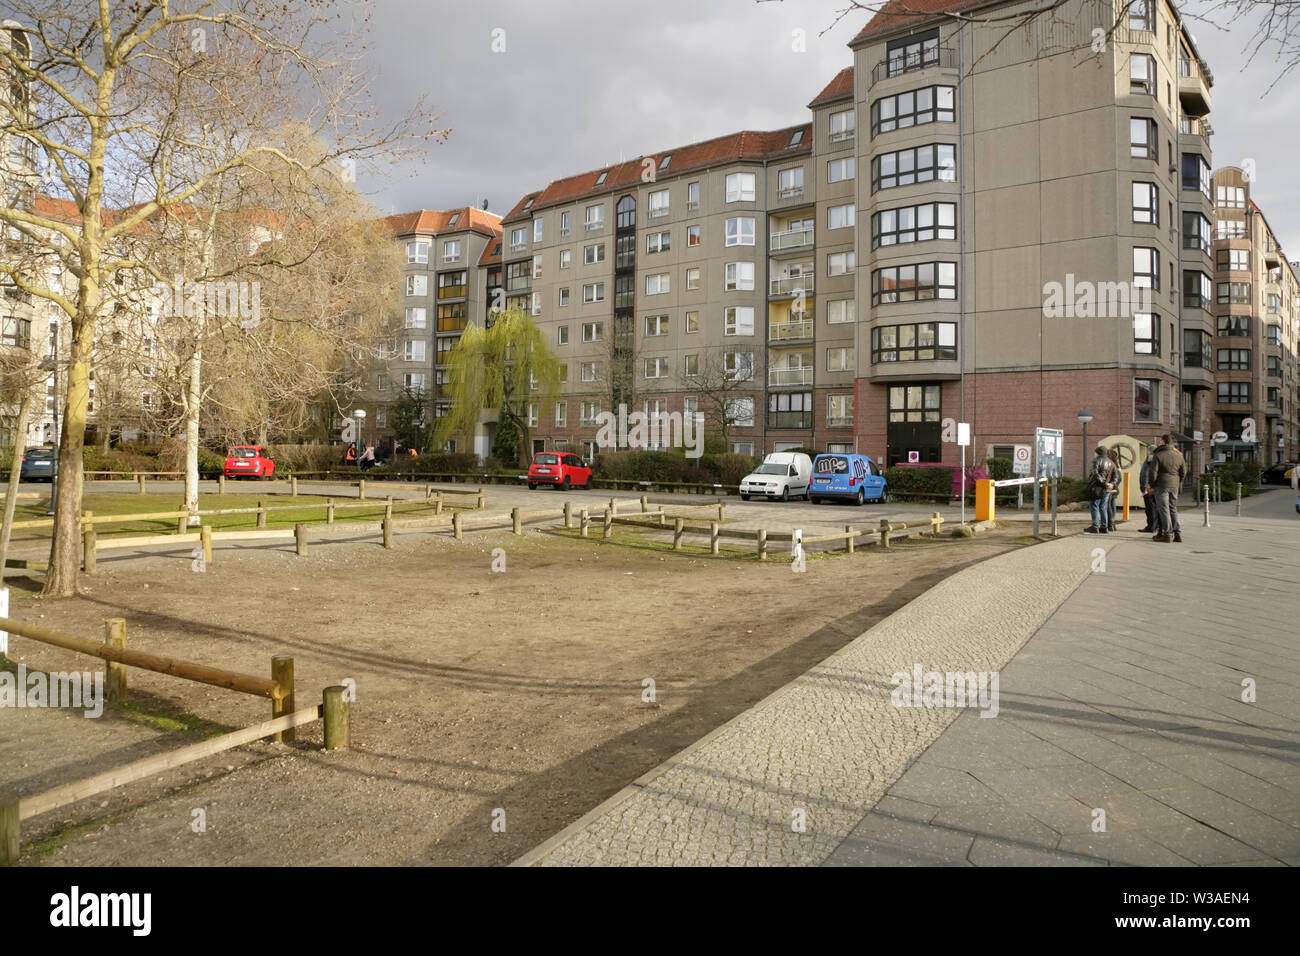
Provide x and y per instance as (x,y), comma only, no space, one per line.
(1161,478)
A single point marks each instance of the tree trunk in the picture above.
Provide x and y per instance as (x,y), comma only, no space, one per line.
(65,547)
(15,475)
(192,401)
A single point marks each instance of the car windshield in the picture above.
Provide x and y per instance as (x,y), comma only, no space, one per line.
(243,453)
(40,454)
(829,466)
(770,469)
(546,460)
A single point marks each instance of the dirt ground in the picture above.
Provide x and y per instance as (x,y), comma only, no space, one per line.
(477,691)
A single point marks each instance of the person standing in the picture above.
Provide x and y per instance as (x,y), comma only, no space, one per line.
(1101,481)
(1113,455)
(1148,499)
(1167,471)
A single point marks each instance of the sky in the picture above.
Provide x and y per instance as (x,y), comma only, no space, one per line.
(535,90)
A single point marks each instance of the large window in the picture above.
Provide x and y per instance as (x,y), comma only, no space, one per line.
(739,366)
(659,201)
(593,292)
(839,411)
(417,251)
(738,321)
(1146,268)
(934,220)
(1234,360)
(840,311)
(916,342)
(657,284)
(1140,15)
(841,263)
(658,242)
(1230,197)
(1146,203)
(1146,400)
(912,53)
(841,359)
(789,182)
(837,170)
(740,187)
(1146,333)
(929,104)
(1196,232)
(593,253)
(1233,293)
(414,350)
(921,164)
(911,283)
(595,218)
(740,231)
(914,403)
(739,277)
(591,331)
(1196,173)
(1232,229)
(451,285)
(417,285)
(790,410)
(656,325)
(1198,291)
(1197,351)
(840,217)
(1234,260)
(451,317)
(1142,73)
(417,319)
(1234,393)
(656,367)
(1230,325)
(452,248)
(1143,138)
(843,126)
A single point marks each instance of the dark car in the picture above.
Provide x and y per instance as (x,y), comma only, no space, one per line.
(1276,475)
(563,469)
(38,464)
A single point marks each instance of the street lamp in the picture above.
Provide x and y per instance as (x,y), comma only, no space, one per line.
(52,363)
(359,415)
(1084,417)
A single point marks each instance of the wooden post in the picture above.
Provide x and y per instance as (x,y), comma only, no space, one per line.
(300,538)
(329,511)
(677,533)
(482,500)
(293,487)
(9,829)
(139,480)
(455,526)
(221,484)
(388,528)
(115,673)
(516,524)
(607,524)
(568,515)
(645,503)
(722,511)
(713,537)
(936,522)
(849,540)
(88,549)
(361,490)
(583,519)
(282,674)
(182,523)
(428,492)
(205,542)
(762,544)
(337,725)
(613,506)
(437,504)
(261,513)
(884,533)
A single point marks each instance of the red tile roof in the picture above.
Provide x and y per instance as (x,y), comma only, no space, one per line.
(746,145)
(65,210)
(898,14)
(491,252)
(434,221)
(837,89)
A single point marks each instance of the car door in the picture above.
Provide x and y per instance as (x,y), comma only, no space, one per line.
(875,480)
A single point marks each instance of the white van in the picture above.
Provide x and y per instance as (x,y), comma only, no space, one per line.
(783,475)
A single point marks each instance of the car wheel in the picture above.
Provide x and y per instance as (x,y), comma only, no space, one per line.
(814,501)
(785,493)
(564,485)
(532,486)
(744,497)
(862,497)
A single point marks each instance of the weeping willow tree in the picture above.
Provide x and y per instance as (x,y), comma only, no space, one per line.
(507,367)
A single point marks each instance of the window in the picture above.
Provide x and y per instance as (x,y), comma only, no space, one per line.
(741,412)
(416,319)
(921,164)
(838,170)
(1140,16)
(691,365)
(417,251)
(414,350)
(1234,393)
(738,321)
(518,238)
(1274,396)
(914,224)
(562,335)
(1274,304)
(451,318)
(593,292)
(839,411)
(1235,260)
(929,104)
(381,382)
(1146,400)
(692,196)
(914,403)
(840,360)
(536,305)
(740,231)
(839,311)
(1196,173)
(18,332)
(595,218)
(537,230)
(657,242)
(413,381)
(590,371)
(1146,268)
(1230,325)
(911,283)
(743,448)
(739,277)
(1196,232)
(790,410)
(566,258)
(692,236)
(1197,290)
(1143,139)
(1234,360)
(537,267)
(563,296)
(691,322)
(561,414)
(446,345)
(566,223)
(739,366)
(451,285)
(1230,197)
(1146,203)
(1196,349)
(656,367)
(1146,333)
(919,342)
(692,279)
(1142,73)
(841,263)
(740,187)
(451,250)
(417,285)
(657,284)
(656,325)
(1234,293)
(593,253)
(789,183)
(591,331)
(659,203)
(840,217)
(843,126)
(912,53)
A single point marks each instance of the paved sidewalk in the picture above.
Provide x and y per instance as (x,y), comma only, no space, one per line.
(1125,700)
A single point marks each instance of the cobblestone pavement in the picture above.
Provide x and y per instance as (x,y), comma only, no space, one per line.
(1127,700)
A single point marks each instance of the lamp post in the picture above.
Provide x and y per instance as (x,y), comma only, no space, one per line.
(52,363)
(1084,417)
(359,416)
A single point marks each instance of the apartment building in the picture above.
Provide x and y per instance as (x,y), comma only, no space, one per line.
(1257,314)
(453,269)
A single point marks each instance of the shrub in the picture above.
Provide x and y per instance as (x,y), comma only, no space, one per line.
(292,459)
(933,482)
(649,466)
(1067,490)
(732,467)
(1001,469)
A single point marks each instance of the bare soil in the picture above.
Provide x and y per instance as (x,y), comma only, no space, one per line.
(477,691)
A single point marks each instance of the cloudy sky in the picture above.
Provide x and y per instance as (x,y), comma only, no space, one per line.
(584,83)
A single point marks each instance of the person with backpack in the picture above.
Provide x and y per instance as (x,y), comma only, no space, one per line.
(1101,482)
(1168,468)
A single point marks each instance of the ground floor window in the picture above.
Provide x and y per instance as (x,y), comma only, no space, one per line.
(914,403)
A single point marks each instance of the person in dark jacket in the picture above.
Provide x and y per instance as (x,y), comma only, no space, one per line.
(1113,454)
(1167,470)
(1148,500)
(1101,482)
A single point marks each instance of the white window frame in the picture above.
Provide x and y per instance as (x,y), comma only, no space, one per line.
(741,187)
(738,277)
(741,232)
(659,283)
(738,320)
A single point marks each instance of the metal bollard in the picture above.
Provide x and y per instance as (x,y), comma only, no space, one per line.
(1207,513)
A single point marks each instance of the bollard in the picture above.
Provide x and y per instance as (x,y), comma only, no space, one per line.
(337,722)
(437,504)
(293,487)
(848,538)
(139,480)
(329,511)
(608,523)
(613,506)
(300,538)
(88,549)
(645,503)
(678,525)
(568,515)
(205,542)
(936,522)
(713,537)
(455,526)
(722,511)
(115,673)
(361,490)
(181,523)
(428,492)
(884,533)
(1239,499)
(516,523)
(388,530)
(1207,513)
(221,484)
(261,513)
(482,500)
(582,522)
(282,674)
(9,829)
(762,544)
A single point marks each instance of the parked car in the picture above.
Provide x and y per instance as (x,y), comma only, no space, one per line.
(853,477)
(783,475)
(1277,474)
(249,461)
(38,464)
(562,469)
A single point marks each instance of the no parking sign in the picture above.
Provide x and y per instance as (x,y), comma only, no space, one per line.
(1021,460)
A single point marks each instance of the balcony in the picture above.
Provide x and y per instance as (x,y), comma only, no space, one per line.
(659,212)
(921,60)
(518,284)
(839,421)
(788,420)
(790,240)
(790,192)
(790,331)
(1194,87)
(1272,253)
(785,377)
(792,285)
(1195,127)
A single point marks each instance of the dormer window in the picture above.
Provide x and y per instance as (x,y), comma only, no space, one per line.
(529,204)
(600,180)
(797,138)
(663,163)
(455,218)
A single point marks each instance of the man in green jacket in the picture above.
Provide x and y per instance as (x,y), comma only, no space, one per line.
(1167,470)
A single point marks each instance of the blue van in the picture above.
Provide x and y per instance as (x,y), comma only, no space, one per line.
(855,478)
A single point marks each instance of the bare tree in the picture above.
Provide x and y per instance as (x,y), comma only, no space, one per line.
(726,389)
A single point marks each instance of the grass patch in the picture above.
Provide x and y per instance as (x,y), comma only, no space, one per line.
(160,716)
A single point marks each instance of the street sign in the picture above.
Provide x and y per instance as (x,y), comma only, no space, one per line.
(963,433)
(1021,461)
(1050,445)
(913,457)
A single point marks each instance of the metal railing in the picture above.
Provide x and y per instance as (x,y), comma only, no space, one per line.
(792,285)
(790,376)
(921,60)
(786,331)
(790,239)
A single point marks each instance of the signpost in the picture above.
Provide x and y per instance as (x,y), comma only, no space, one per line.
(1049,445)
(1022,460)
(963,439)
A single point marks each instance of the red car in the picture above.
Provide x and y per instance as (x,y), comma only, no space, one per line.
(249,461)
(563,469)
